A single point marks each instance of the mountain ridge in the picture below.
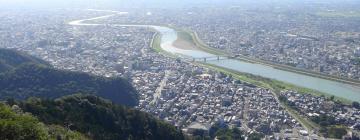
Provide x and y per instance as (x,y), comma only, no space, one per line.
(26,76)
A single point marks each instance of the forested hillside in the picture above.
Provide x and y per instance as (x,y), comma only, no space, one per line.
(29,108)
(10,59)
(99,118)
(17,125)
(26,76)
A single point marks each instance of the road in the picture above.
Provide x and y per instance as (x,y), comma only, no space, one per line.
(245,115)
(162,84)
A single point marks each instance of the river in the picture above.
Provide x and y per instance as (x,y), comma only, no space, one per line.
(169,35)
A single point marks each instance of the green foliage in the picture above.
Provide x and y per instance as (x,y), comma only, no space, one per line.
(57,132)
(283,99)
(10,59)
(15,126)
(99,118)
(255,136)
(216,127)
(356,61)
(324,120)
(30,80)
(229,134)
(223,132)
(334,131)
(25,76)
(329,127)
(356,105)
(332,98)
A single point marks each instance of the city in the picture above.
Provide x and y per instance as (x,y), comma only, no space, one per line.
(190,95)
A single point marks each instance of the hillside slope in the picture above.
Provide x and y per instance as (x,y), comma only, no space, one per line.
(23,76)
(99,118)
(31,80)
(16,125)
(71,115)
(10,59)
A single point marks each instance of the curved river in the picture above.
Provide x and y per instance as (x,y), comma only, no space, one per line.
(169,36)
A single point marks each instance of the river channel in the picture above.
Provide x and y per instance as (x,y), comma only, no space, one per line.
(169,36)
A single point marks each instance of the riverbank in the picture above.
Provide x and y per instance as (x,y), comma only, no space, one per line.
(202,46)
(275,85)
(184,41)
(244,77)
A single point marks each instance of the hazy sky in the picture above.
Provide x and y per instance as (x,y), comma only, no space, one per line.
(147,3)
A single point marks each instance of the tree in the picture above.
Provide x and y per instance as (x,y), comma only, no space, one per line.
(356,105)
(229,134)
(100,118)
(30,80)
(237,134)
(332,98)
(283,99)
(324,120)
(255,136)
(335,132)
(15,126)
(216,127)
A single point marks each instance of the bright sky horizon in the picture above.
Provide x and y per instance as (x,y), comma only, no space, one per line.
(148,3)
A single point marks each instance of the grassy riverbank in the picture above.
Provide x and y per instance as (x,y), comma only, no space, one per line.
(156,43)
(237,75)
(274,85)
(156,46)
(204,47)
(191,36)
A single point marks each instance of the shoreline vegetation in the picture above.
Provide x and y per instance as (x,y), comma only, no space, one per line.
(249,78)
(272,84)
(284,67)
(261,81)
(275,85)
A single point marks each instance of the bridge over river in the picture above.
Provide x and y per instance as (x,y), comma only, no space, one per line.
(169,36)
(339,89)
(209,58)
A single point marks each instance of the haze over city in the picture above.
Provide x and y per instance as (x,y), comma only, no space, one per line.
(189,69)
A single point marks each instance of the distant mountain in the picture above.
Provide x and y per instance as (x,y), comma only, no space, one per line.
(10,59)
(99,118)
(26,76)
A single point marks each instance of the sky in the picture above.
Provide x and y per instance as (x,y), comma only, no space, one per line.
(150,3)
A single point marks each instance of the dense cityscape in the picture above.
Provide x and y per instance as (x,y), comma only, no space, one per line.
(191,96)
(308,40)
